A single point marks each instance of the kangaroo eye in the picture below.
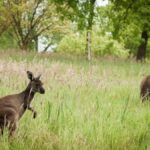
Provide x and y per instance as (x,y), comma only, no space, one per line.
(36,85)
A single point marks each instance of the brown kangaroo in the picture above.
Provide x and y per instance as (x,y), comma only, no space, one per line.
(12,107)
(145,89)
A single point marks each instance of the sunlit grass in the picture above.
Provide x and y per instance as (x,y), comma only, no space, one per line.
(86,106)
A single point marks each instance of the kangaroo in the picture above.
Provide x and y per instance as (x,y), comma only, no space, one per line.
(145,89)
(12,107)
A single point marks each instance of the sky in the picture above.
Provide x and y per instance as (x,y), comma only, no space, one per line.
(102,2)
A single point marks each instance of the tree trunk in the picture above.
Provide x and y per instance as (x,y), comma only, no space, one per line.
(142,48)
(36,44)
(24,47)
(89,28)
(88,45)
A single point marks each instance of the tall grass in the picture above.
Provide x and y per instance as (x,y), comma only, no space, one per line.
(86,106)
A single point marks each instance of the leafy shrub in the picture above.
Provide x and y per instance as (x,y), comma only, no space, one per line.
(101,45)
(72,43)
(105,45)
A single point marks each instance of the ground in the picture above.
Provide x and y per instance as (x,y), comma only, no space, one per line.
(86,106)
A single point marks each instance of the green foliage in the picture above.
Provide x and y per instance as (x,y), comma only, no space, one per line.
(131,37)
(128,19)
(7,42)
(80,11)
(4,19)
(105,45)
(73,44)
(126,12)
(102,45)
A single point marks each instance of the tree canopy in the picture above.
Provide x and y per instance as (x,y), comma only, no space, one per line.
(135,14)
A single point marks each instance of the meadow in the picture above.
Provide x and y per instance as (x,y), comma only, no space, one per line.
(87,106)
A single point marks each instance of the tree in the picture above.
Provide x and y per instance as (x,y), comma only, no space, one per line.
(82,12)
(90,16)
(127,12)
(30,19)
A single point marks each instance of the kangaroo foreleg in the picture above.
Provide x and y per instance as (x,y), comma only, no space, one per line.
(33,111)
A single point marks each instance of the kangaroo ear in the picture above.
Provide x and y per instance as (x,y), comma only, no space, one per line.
(30,75)
(38,77)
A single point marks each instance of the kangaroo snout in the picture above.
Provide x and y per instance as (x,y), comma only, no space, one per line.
(42,90)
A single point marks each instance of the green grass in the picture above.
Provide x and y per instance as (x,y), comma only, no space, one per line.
(87,106)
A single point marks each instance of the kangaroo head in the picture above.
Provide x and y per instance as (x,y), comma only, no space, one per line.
(35,83)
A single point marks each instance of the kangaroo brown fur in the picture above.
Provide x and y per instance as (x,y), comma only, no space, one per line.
(12,107)
(145,89)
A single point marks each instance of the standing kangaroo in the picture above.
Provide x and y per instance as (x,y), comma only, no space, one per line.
(12,107)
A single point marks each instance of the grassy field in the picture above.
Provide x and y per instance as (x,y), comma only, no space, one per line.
(87,106)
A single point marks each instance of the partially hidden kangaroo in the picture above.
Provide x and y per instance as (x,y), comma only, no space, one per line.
(145,89)
(12,107)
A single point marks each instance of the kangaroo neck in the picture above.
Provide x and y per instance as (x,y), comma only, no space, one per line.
(28,95)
